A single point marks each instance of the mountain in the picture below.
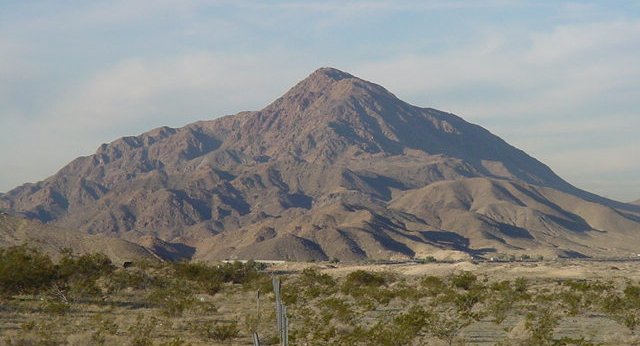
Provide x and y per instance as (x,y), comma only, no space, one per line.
(336,167)
(636,202)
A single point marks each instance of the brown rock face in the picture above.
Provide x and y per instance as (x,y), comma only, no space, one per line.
(337,167)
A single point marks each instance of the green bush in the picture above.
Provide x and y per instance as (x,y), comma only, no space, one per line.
(313,276)
(540,324)
(428,259)
(626,308)
(89,266)
(361,278)
(369,288)
(312,283)
(174,299)
(141,332)
(220,331)
(55,307)
(210,278)
(434,285)
(503,297)
(445,325)
(134,278)
(465,280)
(24,270)
(78,274)
(338,309)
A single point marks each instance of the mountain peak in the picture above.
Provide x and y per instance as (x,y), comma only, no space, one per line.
(325,79)
(328,83)
(332,73)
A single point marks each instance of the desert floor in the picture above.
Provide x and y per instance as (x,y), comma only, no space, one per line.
(575,302)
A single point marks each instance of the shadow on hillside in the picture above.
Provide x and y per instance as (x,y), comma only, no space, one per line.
(175,251)
(454,241)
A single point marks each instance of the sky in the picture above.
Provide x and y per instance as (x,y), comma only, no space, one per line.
(559,80)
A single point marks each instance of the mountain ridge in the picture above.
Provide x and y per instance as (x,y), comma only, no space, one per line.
(318,172)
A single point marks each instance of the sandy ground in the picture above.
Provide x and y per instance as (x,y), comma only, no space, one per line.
(558,269)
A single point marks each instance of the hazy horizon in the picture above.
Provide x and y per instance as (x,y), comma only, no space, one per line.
(559,80)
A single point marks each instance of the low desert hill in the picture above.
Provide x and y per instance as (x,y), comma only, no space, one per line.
(338,167)
(15,231)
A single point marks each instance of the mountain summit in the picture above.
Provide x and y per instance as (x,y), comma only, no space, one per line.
(336,167)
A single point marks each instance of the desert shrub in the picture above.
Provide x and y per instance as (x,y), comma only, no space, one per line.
(24,270)
(428,259)
(261,282)
(238,272)
(502,297)
(220,331)
(210,278)
(465,280)
(141,332)
(251,322)
(363,278)
(313,283)
(367,288)
(320,334)
(91,266)
(434,285)
(580,295)
(338,309)
(540,324)
(626,308)
(464,295)
(466,301)
(55,306)
(403,329)
(445,324)
(174,299)
(135,279)
(195,271)
(77,275)
(577,285)
(406,291)
(384,334)
(41,333)
(499,309)
(632,295)
(102,325)
(176,341)
(521,286)
(572,302)
(565,340)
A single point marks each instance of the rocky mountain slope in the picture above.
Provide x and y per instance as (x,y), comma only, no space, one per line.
(336,167)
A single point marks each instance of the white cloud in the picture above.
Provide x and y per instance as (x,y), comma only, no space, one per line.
(578,42)
(192,85)
(568,96)
(498,76)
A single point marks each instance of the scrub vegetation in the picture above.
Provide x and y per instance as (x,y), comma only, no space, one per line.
(86,299)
